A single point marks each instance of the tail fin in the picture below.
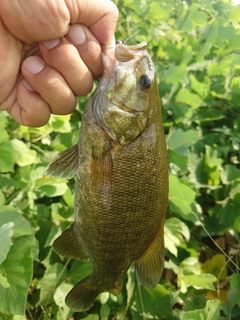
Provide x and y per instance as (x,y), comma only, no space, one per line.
(82,296)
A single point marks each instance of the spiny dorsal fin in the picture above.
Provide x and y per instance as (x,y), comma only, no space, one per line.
(65,165)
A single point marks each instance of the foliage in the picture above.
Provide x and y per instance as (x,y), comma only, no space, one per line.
(196,48)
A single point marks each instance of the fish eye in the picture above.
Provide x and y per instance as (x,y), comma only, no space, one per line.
(145,82)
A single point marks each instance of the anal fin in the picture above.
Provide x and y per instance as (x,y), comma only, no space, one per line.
(150,265)
(69,245)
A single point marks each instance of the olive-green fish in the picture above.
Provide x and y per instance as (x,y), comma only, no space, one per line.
(120,164)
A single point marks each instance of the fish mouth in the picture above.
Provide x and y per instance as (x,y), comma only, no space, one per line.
(124,53)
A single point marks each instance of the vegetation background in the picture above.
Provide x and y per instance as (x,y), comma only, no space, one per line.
(195,45)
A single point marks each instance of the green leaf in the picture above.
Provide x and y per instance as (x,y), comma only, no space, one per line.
(4,282)
(189,98)
(180,141)
(131,287)
(235,84)
(180,197)
(175,74)
(216,266)
(2,198)
(201,88)
(201,280)
(17,268)
(80,270)
(18,317)
(173,228)
(235,284)
(151,303)
(54,189)
(210,312)
(7,159)
(3,134)
(6,233)
(156,13)
(218,68)
(199,18)
(53,276)
(21,225)
(105,312)
(23,155)
(61,123)
(60,294)
(194,303)
(91,317)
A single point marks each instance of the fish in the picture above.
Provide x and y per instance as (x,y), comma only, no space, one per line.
(121,170)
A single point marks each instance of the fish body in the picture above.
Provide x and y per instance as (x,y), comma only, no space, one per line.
(121,171)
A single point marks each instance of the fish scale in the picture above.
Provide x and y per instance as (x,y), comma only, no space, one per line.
(121,179)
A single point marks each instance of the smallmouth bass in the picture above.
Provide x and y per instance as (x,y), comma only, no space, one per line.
(120,164)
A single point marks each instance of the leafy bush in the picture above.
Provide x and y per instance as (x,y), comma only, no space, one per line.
(196,49)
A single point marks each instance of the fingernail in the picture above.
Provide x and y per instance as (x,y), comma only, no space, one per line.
(51,43)
(33,65)
(76,34)
(27,85)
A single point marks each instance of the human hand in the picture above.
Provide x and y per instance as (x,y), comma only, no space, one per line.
(51,52)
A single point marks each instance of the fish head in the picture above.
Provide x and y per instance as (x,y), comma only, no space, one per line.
(132,77)
(124,97)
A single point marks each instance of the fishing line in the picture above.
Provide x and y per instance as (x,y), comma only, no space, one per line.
(204,228)
(136,32)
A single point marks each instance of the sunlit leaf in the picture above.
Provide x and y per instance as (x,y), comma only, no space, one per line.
(23,155)
(21,225)
(173,229)
(180,196)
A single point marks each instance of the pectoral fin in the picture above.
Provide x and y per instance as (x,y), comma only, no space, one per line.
(69,244)
(65,165)
(150,265)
